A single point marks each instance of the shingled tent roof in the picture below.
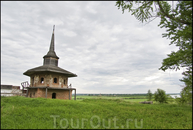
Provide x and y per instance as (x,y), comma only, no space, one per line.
(50,67)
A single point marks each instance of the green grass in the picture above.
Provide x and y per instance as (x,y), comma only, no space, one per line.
(130,98)
(38,113)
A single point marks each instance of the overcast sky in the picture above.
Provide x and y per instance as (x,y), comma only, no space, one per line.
(110,52)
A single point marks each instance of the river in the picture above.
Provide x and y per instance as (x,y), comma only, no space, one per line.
(173,96)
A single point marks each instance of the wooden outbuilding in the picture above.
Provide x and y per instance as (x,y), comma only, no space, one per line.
(49,80)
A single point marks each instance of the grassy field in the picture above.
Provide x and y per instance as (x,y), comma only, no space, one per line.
(39,113)
(131,99)
(128,98)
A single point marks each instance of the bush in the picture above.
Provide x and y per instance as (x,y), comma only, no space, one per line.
(149,95)
(160,96)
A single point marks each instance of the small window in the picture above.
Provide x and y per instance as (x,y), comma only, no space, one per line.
(55,80)
(32,81)
(30,94)
(42,80)
(47,61)
(56,62)
(64,81)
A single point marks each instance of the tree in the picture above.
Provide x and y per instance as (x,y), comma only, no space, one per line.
(149,95)
(178,22)
(160,96)
(186,97)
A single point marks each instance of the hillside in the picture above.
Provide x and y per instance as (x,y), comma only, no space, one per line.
(39,113)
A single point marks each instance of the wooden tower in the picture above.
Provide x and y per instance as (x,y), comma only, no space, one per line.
(49,80)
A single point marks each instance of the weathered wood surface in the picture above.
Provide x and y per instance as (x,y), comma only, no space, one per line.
(147,102)
(15,93)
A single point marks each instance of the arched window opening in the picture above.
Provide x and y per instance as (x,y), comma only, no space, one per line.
(42,80)
(55,80)
(53,95)
(64,81)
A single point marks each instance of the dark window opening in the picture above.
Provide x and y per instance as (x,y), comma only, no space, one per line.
(55,80)
(42,80)
(64,81)
(53,95)
(30,94)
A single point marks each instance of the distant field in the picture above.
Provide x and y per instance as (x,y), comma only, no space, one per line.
(131,98)
(40,113)
(113,97)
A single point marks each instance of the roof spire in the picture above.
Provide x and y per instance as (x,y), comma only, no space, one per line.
(52,41)
(53,29)
(51,52)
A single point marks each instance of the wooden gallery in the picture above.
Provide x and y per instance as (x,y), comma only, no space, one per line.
(49,80)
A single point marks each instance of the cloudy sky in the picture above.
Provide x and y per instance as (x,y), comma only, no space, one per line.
(110,52)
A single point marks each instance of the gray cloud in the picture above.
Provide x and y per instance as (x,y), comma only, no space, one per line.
(110,52)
